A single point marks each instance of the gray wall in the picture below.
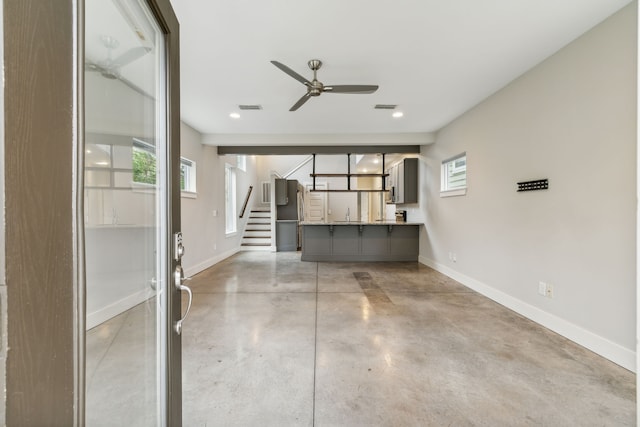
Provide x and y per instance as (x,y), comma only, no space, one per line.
(203,233)
(571,119)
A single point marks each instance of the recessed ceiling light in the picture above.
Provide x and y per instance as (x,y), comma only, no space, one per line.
(364,170)
(234,115)
(376,161)
(397,114)
(88,151)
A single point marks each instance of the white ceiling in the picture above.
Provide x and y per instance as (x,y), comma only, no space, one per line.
(434,58)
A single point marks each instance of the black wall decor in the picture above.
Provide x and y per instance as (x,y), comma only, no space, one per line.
(539,184)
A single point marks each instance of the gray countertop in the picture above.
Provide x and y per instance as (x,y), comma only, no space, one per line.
(358,223)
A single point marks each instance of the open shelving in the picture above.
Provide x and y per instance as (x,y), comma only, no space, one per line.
(349,175)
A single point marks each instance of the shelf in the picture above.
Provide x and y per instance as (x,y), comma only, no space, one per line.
(349,175)
(338,175)
(349,191)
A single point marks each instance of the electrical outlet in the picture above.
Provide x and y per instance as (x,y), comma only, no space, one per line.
(549,293)
(455,257)
(215,212)
(542,289)
(545,289)
(450,256)
(215,246)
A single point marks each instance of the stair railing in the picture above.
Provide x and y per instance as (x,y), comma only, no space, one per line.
(295,169)
(246,201)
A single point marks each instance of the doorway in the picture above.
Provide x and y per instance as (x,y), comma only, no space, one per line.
(45,153)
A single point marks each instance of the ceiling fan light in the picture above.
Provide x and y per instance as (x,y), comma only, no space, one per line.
(234,115)
(397,114)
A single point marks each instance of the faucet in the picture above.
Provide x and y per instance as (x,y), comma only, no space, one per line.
(347,216)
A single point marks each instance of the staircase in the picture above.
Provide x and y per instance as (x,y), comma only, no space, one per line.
(257,234)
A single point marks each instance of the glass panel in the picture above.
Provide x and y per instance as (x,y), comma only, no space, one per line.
(125,223)
(122,156)
(122,179)
(98,156)
(97,178)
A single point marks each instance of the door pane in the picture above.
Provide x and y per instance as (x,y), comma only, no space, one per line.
(125,202)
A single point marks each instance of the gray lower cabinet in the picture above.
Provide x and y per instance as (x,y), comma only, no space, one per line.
(287,236)
(360,242)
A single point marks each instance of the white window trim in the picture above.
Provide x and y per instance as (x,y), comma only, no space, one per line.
(444,192)
(192,178)
(453,193)
(231,169)
(241,162)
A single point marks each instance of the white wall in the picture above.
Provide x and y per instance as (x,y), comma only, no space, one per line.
(204,237)
(571,119)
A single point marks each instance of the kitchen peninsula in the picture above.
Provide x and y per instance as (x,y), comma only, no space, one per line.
(360,241)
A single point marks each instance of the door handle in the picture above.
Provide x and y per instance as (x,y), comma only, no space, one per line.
(178,276)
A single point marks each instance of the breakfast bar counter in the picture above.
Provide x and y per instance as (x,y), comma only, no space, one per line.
(360,241)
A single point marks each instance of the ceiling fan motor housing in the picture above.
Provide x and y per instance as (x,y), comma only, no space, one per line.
(314,64)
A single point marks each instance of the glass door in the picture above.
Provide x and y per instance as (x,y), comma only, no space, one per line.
(131,215)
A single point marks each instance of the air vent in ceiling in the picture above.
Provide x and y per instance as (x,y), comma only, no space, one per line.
(385,106)
(250,107)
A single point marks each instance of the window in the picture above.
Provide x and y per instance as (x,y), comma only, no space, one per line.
(230,198)
(453,181)
(144,162)
(242,162)
(187,176)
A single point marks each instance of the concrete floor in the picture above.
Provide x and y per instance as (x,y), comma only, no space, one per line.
(273,341)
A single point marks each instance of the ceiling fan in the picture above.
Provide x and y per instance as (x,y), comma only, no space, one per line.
(110,67)
(315,87)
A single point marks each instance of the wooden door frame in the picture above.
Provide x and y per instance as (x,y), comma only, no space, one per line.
(44,147)
(43,173)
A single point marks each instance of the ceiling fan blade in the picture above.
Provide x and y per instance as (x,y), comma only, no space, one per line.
(301,101)
(110,73)
(292,73)
(350,88)
(129,56)
(91,66)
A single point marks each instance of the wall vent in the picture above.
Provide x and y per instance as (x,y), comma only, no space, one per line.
(385,106)
(266,192)
(250,107)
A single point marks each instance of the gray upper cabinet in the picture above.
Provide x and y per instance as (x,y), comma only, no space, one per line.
(403,182)
(281,192)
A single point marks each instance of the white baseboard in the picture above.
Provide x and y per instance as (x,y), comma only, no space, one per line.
(255,248)
(195,269)
(600,345)
(120,306)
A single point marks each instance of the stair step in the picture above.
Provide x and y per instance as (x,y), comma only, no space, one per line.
(257,235)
